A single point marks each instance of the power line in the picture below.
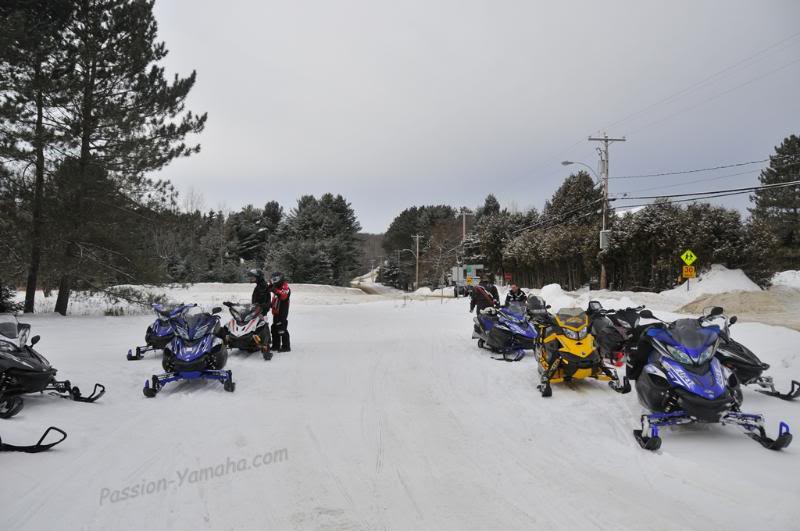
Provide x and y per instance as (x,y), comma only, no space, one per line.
(712,98)
(704,80)
(621,195)
(745,190)
(714,168)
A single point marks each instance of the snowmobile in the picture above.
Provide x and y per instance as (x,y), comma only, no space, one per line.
(23,370)
(505,331)
(566,351)
(741,360)
(682,382)
(159,334)
(612,330)
(34,448)
(247,330)
(196,351)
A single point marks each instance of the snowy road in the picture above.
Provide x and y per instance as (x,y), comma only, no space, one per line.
(390,418)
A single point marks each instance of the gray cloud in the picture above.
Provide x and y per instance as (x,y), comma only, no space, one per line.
(400,103)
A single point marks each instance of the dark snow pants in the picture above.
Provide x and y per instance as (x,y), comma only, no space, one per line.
(280,335)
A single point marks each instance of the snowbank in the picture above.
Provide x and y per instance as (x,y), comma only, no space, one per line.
(441,292)
(719,279)
(206,294)
(790,279)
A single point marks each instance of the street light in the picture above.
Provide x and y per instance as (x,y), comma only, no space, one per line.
(569,163)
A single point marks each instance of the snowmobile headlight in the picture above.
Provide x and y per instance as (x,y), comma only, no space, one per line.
(5,346)
(706,354)
(182,332)
(572,334)
(679,355)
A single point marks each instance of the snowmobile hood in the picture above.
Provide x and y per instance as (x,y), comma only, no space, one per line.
(709,384)
(192,327)
(12,357)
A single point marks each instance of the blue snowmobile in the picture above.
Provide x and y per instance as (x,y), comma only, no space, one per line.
(680,381)
(159,334)
(506,331)
(196,351)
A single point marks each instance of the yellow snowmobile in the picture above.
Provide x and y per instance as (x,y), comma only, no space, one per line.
(566,351)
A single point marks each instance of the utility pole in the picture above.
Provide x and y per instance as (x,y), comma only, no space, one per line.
(416,255)
(605,140)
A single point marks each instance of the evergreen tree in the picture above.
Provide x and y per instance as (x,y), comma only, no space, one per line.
(317,242)
(33,65)
(779,209)
(123,116)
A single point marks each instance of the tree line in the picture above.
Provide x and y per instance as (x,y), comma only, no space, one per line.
(560,244)
(87,112)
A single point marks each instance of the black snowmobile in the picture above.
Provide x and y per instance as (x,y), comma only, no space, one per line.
(743,361)
(23,370)
(40,446)
(613,330)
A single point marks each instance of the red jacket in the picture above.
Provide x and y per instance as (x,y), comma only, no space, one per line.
(280,301)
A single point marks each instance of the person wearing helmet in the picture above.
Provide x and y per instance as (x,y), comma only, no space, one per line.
(261,291)
(484,296)
(280,312)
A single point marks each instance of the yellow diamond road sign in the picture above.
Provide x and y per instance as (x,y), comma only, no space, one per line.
(688,257)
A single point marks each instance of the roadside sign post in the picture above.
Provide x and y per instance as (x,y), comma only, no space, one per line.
(689,270)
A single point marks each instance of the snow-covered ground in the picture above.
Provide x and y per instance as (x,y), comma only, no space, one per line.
(384,416)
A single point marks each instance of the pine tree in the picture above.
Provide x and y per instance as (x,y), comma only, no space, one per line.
(779,209)
(33,65)
(123,116)
(317,242)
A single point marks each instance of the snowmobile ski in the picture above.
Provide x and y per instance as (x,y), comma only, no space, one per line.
(40,446)
(157,381)
(768,388)
(753,424)
(66,390)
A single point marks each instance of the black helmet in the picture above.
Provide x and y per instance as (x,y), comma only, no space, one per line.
(276,277)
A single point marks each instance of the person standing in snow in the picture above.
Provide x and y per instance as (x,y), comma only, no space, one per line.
(261,291)
(515,295)
(484,296)
(280,312)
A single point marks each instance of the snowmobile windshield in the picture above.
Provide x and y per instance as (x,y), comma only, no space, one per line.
(515,310)
(244,312)
(8,326)
(572,317)
(536,304)
(628,317)
(691,335)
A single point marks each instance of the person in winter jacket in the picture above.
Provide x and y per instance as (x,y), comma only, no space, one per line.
(261,293)
(515,295)
(484,296)
(280,312)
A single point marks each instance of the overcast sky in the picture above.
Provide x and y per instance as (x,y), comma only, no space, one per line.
(400,103)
